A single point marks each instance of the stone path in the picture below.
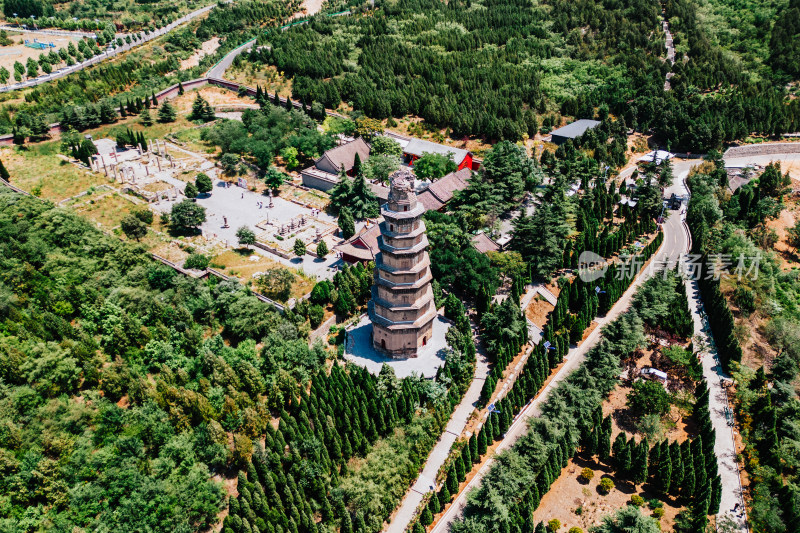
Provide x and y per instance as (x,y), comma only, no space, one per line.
(669,45)
(427,478)
(732,502)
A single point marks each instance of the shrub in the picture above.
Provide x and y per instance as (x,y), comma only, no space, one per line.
(187,215)
(315,315)
(655,503)
(651,426)
(649,397)
(143,214)
(658,513)
(203,183)
(745,299)
(133,227)
(587,474)
(606,484)
(191,190)
(321,293)
(554,524)
(637,500)
(276,283)
(196,262)
(575,529)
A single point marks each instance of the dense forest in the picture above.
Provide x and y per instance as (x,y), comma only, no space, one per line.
(725,225)
(578,59)
(124,387)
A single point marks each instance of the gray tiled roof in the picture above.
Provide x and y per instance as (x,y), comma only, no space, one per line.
(418,146)
(576,129)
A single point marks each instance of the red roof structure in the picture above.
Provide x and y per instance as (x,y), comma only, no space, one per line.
(362,246)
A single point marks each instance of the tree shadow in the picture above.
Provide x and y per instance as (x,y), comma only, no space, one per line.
(184,232)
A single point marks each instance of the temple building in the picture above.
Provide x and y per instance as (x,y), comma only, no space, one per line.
(402,308)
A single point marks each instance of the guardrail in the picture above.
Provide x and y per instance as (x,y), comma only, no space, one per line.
(106,54)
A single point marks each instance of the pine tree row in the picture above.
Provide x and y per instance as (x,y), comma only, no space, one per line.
(92,116)
(285,483)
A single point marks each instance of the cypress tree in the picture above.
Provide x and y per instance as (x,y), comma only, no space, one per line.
(452,480)
(675,457)
(700,476)
(593,443)
(482,441)
(622,455)
(444,496)
(459,468)
(716,496)
(433,504)
(640,463)
(427,517)
(466,457)
(663,474)
(473,448)
(535,497)
(604,440)
(688,486)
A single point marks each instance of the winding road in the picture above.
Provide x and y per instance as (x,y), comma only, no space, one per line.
(676,242)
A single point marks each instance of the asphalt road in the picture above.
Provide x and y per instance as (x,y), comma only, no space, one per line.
(676,242)
(66,71)
(218,70)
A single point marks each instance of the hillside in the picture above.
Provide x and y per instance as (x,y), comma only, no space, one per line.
(505,69)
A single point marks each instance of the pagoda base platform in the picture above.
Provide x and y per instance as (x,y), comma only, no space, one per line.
(359,350)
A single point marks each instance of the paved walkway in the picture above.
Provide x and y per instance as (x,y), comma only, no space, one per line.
(675,243)
(724,447)
(520,427)
(719,407)
(241,208)
(427,479)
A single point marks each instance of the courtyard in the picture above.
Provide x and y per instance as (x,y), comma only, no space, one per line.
(229,207)
(359,350)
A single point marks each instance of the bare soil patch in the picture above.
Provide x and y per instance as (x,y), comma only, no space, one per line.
(208,47)
(19,52)
(215,96)
(569,496)
(538,309)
